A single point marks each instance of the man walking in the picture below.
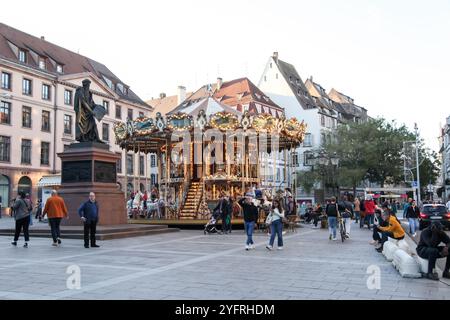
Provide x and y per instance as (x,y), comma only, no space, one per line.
(56,209)
(89,215)
(222,208)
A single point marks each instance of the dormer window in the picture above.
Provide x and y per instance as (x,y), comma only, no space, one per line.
(42,63)
(59,68)
(22,56)
(120,87)
(108,83)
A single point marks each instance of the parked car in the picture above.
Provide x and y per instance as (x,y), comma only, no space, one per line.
(434,212)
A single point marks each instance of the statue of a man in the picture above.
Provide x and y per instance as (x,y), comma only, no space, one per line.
(85,128)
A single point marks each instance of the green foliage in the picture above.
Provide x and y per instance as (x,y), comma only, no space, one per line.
(373,150)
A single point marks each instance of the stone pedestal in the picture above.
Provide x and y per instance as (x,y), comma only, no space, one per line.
(91,167)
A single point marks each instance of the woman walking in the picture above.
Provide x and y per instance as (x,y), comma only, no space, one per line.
(276,225)
(412,214)
(22,216)
(331,211)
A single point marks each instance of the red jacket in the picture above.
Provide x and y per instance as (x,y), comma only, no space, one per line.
(370,206)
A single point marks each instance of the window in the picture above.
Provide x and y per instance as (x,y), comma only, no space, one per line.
(130,114)
(322,120)
(5,147)
(106,106)
(41,63)
(45,121)
(119,163)
(26,151)
(153,179)
(105,132)
(67,124)
(141,114)
(45,92)
(68,97)
(308,158)
(308,140)
(130,164)
(118,112)
(152,160)
(6,81)
(26,117)
(45,153)
(278,174)
(141,165)
(27,86)
(5,112)
(295,159)
(22,56)
(59,68)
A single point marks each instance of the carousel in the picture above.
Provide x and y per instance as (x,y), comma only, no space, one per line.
(205,148)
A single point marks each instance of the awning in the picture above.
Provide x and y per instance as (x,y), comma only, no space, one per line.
(47,181)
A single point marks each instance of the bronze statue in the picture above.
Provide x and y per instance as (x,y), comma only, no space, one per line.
(86,112)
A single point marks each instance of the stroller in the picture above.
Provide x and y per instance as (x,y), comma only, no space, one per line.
(211,226)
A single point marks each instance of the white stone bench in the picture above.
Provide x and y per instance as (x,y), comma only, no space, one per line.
(389,249)
(406,264)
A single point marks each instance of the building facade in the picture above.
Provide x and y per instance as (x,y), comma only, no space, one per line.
(444,154)
(308,101)
(37,118)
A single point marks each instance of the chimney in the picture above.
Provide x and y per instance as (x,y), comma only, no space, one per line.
(219,83)
(275,56)
(42,38)
(162,95)
(181,94)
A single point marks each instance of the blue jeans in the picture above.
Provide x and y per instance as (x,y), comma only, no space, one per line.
(370,219)
(249,226)
(332,223)
(413,224)
(357,216)
(276,227)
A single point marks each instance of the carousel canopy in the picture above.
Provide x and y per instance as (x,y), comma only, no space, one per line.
(149,135)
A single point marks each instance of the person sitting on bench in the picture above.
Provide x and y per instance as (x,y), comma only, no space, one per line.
(392,230)
(429,249)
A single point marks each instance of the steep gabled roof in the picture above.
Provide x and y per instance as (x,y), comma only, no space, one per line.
(237,93)
(165,104)
(73,63)
(296,84)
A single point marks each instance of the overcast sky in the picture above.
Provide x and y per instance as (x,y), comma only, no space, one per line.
(392,57)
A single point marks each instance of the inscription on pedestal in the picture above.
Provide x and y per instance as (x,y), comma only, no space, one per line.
(105,172)
(76,171)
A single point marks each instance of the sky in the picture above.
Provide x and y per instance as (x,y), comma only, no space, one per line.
(391,56)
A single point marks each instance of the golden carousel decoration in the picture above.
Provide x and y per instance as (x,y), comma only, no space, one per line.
(182,176)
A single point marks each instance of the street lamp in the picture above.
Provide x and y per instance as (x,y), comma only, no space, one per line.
(416,130)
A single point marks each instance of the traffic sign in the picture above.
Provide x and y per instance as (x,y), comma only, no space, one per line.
(414,184)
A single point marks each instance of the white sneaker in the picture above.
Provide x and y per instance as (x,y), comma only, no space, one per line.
(414,234)
(334,239)
(284,232)
(247,247)
(269,247)
(280,248)
(252,247)
(373,242)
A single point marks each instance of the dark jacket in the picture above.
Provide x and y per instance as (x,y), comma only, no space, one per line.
(223,209)
(89,210)
(331,209)
(412,212)
(432,239)
(250,211)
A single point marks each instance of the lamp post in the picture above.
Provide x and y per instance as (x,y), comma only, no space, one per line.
(416,130)
(335,163)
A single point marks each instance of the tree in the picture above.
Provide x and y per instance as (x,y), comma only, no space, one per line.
(306,180)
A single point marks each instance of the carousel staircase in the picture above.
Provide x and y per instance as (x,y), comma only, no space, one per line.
(193,198)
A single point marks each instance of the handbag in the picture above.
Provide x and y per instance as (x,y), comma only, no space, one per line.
(269,219)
